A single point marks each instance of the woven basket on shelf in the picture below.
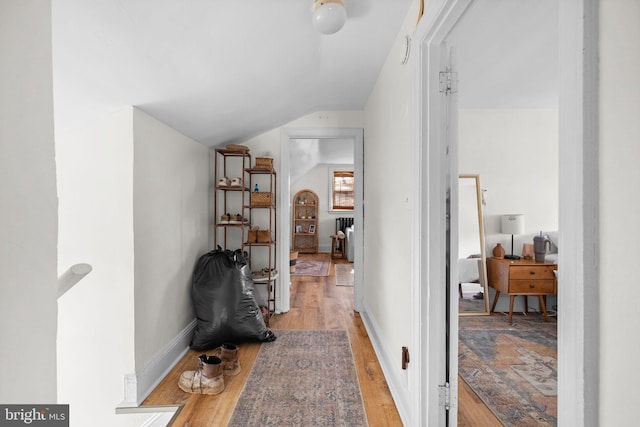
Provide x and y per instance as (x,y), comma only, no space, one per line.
(260,198)
(256,235)
(264,236)
(264,163)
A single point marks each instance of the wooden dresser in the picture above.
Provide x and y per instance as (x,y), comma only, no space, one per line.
(522,277)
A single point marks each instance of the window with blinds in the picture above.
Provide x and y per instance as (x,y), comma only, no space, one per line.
(342,191)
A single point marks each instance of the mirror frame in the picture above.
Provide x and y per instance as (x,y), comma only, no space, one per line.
(483,255)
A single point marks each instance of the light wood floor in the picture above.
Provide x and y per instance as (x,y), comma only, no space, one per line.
(472,412)
(316,303)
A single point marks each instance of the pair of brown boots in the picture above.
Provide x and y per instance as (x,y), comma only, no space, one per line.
(209,378)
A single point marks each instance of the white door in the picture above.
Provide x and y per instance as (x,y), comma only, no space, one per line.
(449,94)
(578,351)
(436,247)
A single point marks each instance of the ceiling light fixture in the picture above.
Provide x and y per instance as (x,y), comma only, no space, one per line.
(329,16)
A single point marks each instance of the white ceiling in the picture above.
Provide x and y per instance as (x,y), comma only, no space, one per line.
(223,71)
(308,153)
(507,54)
(218,71)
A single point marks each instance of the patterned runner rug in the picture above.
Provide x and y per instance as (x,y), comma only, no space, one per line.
(312,267)
(512,367)
(304,378)
(344,274)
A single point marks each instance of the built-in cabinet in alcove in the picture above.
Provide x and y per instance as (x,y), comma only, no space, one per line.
(304,222)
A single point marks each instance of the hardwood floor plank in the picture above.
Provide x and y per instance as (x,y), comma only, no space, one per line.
(316,303)
(472,412)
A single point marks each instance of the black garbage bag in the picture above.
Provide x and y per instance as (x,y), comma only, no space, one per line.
(226,310)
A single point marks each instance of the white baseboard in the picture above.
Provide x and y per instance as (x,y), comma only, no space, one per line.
(161,416)
(396,385)
(161,419)
(139,385)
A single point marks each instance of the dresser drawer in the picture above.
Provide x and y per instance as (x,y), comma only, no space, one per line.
(532,272)
(536,286)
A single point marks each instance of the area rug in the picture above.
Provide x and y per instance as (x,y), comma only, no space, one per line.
(470,305)
(312,267)
(511,367)
(344,274)
(303,378)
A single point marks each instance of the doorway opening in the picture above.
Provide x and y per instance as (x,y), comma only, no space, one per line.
(288,138)
(507,135)
(578,355)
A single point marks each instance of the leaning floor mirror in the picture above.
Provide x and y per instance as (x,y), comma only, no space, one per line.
(473,292)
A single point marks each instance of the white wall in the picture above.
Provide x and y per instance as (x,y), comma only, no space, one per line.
(515,152)
(96,317)
(28,229)
(619,207)
(317,179)
(170,218)
(268,143)
(134,205)
(387,187)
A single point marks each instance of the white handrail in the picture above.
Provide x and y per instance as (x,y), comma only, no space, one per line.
(73,275)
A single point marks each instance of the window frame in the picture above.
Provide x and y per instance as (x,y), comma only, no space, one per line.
(331,174)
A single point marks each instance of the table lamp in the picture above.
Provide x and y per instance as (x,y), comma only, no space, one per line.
(512,224)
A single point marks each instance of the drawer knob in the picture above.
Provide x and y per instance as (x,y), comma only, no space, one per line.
(532,286)
(532,273)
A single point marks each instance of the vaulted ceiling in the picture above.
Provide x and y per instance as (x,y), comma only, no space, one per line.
(218,71)
(223,71)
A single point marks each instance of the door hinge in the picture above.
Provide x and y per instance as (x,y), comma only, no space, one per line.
(444,395)
(448,82)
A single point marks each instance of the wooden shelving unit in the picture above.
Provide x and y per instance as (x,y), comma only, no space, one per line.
(229,199)
(304,222)
(260,209)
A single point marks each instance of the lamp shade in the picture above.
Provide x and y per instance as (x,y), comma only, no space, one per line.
(512,224)
(329,16)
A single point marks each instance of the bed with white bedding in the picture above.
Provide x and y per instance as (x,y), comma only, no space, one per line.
(469,270)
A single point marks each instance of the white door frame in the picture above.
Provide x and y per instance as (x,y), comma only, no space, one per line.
(578,290)
(284,205)
(430,166)
(578,318)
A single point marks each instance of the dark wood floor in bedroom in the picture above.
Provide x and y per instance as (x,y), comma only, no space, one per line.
(316,303)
